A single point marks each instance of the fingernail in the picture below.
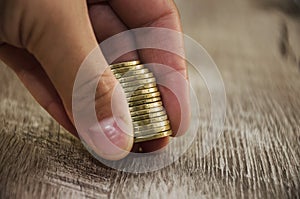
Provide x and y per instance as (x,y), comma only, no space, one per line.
(112,138)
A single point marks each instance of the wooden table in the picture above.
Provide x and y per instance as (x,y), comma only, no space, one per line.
(256,45)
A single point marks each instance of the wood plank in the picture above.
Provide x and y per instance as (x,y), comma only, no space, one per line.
(257,50)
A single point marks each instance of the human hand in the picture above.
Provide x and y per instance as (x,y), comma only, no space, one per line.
(45,42)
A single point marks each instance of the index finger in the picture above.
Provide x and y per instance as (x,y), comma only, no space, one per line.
(162,14)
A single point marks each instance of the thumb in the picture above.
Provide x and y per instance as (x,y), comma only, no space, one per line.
(60,41)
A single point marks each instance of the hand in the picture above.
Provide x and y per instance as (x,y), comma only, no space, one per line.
(45,42)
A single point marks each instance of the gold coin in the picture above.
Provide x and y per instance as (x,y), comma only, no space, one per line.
(150,120)
(150,123)
(140,82)
(148,116)
(124,64)
(133,78)
(151,126)
(146,111)
(145,106)
(127,68)
(134,90)
(143,96)
(144,101)
(143,138)
(132,73)
(153,130)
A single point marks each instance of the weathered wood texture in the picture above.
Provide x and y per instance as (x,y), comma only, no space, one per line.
(256,45)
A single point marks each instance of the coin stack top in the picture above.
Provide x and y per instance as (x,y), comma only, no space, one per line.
(149,117)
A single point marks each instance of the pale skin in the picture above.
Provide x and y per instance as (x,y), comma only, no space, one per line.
(44,43)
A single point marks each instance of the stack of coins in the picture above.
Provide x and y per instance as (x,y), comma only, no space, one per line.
(149,117)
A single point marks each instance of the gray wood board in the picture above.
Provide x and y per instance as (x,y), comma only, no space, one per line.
(256,46)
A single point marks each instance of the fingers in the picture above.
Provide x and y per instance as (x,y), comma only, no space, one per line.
(107,24)
(61,39)
(144,13)
(36,81)
(153,13)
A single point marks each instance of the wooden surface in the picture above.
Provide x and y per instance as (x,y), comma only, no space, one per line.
(256,45)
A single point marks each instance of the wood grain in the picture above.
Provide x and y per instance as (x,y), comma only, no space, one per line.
(256,47)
